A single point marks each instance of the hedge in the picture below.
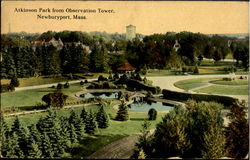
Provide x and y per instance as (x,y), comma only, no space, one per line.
(139,86)
(172,95)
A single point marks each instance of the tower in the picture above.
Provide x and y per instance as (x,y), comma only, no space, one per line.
(130,32)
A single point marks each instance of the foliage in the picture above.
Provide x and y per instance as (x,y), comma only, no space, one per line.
(76,121)
(143,146)
(152,114)
(214,143)
(84,115)
(227,101)
(196,131)
(102,118)
(122,113)
(90,124)
(56,99)
(14,81)
(237,132)
(66,85)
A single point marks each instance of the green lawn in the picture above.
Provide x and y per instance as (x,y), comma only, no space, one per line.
(32,81)
(192,83)
(31,97)
(159,72)
(235,82)
(225,90)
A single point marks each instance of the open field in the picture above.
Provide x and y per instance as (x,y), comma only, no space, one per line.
(225,90)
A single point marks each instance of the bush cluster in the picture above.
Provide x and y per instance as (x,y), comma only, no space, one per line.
(227,101)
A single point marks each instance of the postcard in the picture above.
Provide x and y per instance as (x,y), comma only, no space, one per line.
(124,79)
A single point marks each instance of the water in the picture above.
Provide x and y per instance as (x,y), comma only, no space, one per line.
(99,95)
(145,107)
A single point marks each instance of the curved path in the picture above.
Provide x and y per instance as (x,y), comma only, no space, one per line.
(167,82)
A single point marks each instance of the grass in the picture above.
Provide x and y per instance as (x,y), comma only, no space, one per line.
(32,81)
(32,97)
(234,82)
(159,72)
(192,83)
(225,90)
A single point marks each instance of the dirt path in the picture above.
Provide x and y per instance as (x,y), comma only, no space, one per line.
(120,149)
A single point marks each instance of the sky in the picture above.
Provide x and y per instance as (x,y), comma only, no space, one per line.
(149,17)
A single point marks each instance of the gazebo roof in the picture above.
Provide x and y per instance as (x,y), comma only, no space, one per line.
(126,67)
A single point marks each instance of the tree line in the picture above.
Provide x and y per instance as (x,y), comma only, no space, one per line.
(20,59)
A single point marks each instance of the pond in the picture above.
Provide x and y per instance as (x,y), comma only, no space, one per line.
(146,106)
(99,95)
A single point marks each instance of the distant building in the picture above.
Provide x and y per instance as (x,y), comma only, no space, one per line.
(87,48)
(126,68)
(130,32)
(58,44)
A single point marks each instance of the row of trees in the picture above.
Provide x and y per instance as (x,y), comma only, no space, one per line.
(52,136)
(156,51)
(197,132)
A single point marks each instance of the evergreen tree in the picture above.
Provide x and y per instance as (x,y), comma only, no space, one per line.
(50,124)
(13,150)
(214,143)
(237,132)
(102,118)
(84,115)
(23,138)
(73,136)
(35,151)
(47,150)
(16,126)
(90,125)
(122,113)
(77,123)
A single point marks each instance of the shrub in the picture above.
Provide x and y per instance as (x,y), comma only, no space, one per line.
(86,81)
(56,99)
(101,78)
(152,114)
(81,83)
(227,101)
(14,81)
(59,86)
(66,85)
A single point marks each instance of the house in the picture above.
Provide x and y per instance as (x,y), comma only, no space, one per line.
(126,68)
(58,44)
